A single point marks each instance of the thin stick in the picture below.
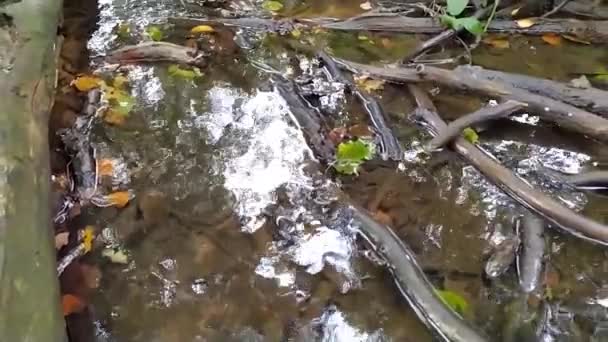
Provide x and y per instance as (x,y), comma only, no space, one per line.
(556,9)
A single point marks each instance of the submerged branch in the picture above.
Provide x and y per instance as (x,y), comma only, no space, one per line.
(488,113)
(563,114)
(518,189)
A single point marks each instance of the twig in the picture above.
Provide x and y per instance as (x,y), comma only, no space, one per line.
(555,9)
(496,2)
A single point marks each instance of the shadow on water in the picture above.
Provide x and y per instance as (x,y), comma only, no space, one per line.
(238,242)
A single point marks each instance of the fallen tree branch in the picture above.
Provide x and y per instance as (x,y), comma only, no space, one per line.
(588,30)
(455,128)
(551,110)
(390,147)
(591,99)
(505,179)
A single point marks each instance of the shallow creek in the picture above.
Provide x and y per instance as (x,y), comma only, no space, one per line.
(256,251)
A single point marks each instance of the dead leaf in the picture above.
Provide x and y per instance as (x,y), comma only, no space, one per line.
(383,217)
(369,84)
(202,29)
(498,43)
(366,6)
(576,39)
(552,39)
(91,275)
(86,83)
(119,199)
(72,304)
(525,23)
(337,134)
(114,118)
(105,167)
(61,239)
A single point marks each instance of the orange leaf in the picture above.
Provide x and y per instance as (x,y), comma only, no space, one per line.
(552,39)
(72,304)
(105,167)
(497,43)
(119,199)
(114,118)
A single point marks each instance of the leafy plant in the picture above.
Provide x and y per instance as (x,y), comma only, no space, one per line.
(471,24)
(352,154)
(154,33)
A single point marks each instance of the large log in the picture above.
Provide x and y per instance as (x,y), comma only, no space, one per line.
(29,295)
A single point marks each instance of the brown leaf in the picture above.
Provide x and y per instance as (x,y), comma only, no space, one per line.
(383,217)
(552,39)
(61,239)
(72,304)
(119,199)
(105,167)
(337,134)
(114,118)
(497,42)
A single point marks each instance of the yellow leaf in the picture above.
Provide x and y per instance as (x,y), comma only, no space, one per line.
(369,84)
(515,11)
(88,237)
(552,39)
(119,81)
(119,199)
(497,42)
(576,40)
(525,23)
(105,167)
(114,118)
(202,29)
(86,83)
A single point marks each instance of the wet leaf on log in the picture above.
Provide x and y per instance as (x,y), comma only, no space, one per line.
(552,39)
(525,23)
(119,199)
(202,29)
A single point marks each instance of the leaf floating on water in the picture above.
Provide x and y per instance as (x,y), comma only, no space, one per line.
(86,83)
(154,33)
(470,135)
(366,6)
(116,256)
(175,71)
(576,39)
(499,43)
(351,155)
(202,29)
(119,199)
(72,304)
(272,6)
(105,167)
(455,7)
(525,23)
(454,301)
(552,39)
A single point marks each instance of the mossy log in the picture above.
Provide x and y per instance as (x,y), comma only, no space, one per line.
(29,295)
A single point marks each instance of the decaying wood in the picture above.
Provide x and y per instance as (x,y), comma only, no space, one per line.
(591,99)
(390,146)
(563,114)
(455,127)
(505,179)
(29,293)
(150,52)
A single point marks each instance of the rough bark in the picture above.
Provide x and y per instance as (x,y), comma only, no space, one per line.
(562,114)
(29,295)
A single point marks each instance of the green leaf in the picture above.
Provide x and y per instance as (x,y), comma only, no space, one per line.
(123,31)
(449,21)
(154,33)
(175,71)
(272,6)
(470,135)
(351,155)
(454,301)
(472,25)
(455,7)
(120,101)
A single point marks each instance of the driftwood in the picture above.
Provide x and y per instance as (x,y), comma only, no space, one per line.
(563,114)
(390,147)
(591,99)
(591,31)
(456,127)
(29,293)
(518,189)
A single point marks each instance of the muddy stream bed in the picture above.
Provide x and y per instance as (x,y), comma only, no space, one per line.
(232,236)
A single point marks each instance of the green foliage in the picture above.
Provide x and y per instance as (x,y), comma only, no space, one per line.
(454,301)
(455,7)
(351,155)
(470,135)
(175,71)
(154,33)
(272,6)
(471,24)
